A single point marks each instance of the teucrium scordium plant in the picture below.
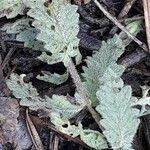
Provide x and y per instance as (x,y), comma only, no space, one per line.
(55,27)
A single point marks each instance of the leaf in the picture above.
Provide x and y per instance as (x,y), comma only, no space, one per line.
(108,54)
(30,98)
(119,118)
(58,26)
(9,113)
(24,91)
(25,33)
(92,138)
(134,27)
(58,108)
(11,8)
(61,105)
(53,78)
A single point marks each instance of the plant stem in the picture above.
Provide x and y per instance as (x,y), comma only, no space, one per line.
(82,92)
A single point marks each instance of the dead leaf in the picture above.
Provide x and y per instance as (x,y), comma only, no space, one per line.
(9,113)
(86,1)
(24,139)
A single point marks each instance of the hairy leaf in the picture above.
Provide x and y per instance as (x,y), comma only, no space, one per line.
(25,33)
(119,118)
(11,8)
(92,138)
(58,108)
(58,26)
(25,91)
(53,78)
(99,62)
(29,97)
(61,105)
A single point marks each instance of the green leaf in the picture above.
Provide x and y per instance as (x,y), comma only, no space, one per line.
(92,138)
(63,106)
(53,78)
(25,91)
(108,54)
(58,108)
(25,33)
(11,8)
(134,27)
(29,97)
(115,105)
(58,26)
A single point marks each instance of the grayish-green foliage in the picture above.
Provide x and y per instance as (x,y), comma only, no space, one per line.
(55,34)
(24,91)
(61,105)
(11,8)
(92,138)
(134,27)
(29,97)
(58,26)
(53,78)
(119,118)
(58,108)
(115,100)
(25,33)
(108,54)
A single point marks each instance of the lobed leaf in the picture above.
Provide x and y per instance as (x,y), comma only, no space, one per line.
(58,26)
(29,97)
(53,78)
(115,105)
(108,54)
(92,138)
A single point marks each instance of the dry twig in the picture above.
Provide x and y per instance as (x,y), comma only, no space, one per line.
(8,56)
(146,4)
(56,142)
(42,123)
(117,23)
(81,90)
(33,133)
(126,8)
(123,14)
